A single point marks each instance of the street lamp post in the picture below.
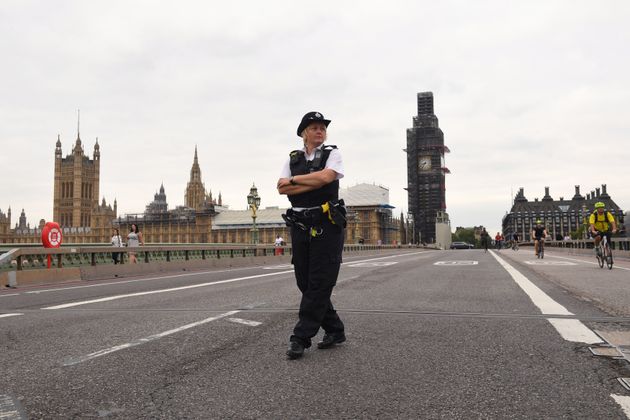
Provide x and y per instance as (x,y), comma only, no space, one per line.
(584,213)
(253,200)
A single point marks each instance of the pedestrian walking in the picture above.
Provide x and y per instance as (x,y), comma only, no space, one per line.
(116,243)
(134,239)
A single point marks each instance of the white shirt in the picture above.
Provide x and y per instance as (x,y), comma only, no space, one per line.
(334,162)
(117,241)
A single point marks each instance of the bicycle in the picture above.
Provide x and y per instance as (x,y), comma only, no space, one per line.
(514,246)
(605,254)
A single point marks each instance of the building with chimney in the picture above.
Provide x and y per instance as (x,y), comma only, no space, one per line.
(561,217)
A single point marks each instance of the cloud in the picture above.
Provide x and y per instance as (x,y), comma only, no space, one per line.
(525,93)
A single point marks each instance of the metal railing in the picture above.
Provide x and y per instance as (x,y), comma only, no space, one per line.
(617,244)
(30,258)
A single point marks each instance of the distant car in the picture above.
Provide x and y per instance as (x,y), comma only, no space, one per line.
(461,245)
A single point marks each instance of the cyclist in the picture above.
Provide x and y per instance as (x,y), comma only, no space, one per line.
(515,241)
(498,240)
(601,221)
(538,233)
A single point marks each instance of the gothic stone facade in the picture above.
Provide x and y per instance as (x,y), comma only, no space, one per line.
(560,217)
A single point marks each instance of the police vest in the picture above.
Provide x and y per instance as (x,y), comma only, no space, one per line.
(300,166)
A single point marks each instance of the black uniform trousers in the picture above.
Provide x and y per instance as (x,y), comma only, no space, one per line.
(316,260)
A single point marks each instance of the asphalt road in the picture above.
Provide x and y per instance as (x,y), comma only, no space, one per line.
(431,334)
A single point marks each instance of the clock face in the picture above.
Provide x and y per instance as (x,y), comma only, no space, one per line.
(424,163)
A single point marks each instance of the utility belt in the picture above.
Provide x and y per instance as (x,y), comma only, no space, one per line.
(333,212)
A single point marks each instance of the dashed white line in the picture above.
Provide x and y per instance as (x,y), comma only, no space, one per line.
(77,360)
(245,322)
(569,329)
(6,316)
(10,294)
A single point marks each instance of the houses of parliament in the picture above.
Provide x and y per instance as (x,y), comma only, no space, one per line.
(202,218)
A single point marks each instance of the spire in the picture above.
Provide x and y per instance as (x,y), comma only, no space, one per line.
(97,150)
(195,171)
(58,147)
(78,124)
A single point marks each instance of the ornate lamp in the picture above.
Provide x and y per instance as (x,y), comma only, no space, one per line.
(253,200)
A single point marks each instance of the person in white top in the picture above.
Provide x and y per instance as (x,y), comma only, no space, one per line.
(134,239)
(116,243)
(310,180)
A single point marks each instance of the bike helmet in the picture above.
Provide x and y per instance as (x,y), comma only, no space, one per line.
(539,222)
(600,205)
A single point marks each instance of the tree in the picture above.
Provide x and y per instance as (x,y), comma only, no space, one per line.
(464,235)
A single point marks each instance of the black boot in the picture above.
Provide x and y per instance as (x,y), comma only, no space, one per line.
(330,340)
(295,351)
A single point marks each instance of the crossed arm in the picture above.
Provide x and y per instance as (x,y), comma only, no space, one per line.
(307,182)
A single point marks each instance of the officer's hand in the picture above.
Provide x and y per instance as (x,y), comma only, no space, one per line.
(283,182)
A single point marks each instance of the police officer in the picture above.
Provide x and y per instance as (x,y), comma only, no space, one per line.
(310,179)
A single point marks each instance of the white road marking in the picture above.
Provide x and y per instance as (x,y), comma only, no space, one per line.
(592,262)
(373,264)
(196,273)
(389,256)
(6,316)
(245,322)
(10,294)
(624,402)
(193,286)
(74,361)
(541,262)
(278,267)
(152,292)
(8,409)
(463,262)
(569,329)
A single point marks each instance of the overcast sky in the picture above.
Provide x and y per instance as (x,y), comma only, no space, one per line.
(528,94)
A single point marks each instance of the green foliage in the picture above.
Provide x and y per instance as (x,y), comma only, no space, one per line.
(465,235)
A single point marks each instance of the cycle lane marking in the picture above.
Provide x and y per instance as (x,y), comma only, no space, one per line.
(569,329)
(76,360)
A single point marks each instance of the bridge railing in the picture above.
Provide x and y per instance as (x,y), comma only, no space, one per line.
(619,244)
(30,258)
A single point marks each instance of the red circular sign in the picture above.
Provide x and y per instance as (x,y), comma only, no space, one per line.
(51,235)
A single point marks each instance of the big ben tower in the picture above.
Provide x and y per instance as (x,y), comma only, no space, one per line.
(426,186)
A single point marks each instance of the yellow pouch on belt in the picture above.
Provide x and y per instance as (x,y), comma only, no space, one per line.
(326,210)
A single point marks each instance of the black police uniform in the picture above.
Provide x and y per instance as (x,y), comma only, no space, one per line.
(317,244)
